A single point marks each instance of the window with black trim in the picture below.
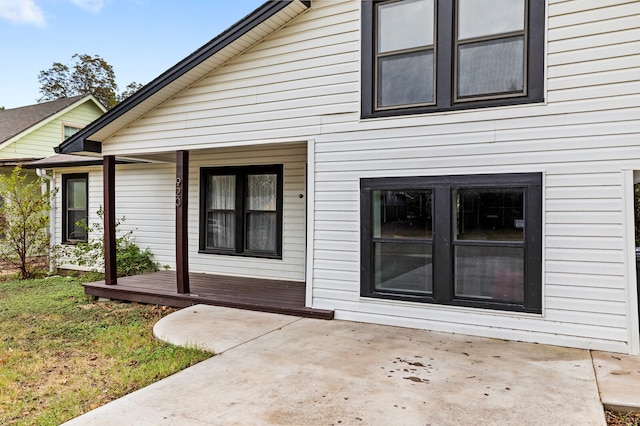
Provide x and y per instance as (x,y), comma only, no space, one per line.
(75,196)
(459,240)
(241,210)
(433,55)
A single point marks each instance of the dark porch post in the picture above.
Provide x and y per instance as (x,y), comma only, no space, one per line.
(109,191)
(182,195)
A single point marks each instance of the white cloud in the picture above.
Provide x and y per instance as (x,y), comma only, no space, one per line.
(22,12)
(93,6)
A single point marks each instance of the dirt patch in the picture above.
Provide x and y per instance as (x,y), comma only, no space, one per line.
(623,419)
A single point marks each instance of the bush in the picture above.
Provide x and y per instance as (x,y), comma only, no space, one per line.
(130,258)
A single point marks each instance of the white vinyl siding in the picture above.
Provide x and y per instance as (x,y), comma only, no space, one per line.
(292,265)
(144,198)
(280,89)
(303,82)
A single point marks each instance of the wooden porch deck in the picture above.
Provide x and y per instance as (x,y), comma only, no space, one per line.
(159,288)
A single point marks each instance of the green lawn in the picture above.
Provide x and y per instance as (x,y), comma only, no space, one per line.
(62,354)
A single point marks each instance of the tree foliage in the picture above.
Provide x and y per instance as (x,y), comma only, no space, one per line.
(24,219)
(129,90)
(87,75)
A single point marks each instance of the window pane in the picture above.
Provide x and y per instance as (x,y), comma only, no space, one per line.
(403,267)
(76,193)
(405,79)
(221,193)
(221,230)
(402,214)
(405,25)
(75,232)
(495,273)
(70,131)
(477,18)
(492,214)
(262,192)
(490,67)
(261,231)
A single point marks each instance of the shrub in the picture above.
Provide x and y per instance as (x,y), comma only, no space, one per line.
(130,258)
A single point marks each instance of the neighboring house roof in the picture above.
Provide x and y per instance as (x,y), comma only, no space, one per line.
(64,160)
(246,33)
(68,160)
(17,122)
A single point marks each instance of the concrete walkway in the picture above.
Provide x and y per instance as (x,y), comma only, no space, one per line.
(274,369)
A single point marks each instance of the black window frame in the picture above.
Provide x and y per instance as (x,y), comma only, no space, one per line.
(445,68)
(65,213)
(241,173)
(443,241)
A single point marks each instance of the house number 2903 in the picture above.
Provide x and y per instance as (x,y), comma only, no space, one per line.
(178,192)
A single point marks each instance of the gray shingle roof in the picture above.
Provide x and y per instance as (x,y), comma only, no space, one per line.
(16,120)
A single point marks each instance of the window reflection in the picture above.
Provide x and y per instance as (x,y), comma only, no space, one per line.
(402,214)
(495,214)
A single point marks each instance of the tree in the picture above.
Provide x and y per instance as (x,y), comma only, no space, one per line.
(129,90)
(24,218)
(88,75)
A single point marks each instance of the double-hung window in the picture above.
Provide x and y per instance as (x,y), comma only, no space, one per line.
(241,211)
(458,240)
(434,55)
(75,195)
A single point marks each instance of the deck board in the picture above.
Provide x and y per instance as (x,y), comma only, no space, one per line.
(282,297)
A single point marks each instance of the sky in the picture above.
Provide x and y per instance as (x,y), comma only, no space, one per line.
(140,39)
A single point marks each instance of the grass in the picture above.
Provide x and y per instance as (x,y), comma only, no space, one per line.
(62,354)
(622,419)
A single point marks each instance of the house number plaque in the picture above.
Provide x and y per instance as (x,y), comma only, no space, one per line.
(178,192)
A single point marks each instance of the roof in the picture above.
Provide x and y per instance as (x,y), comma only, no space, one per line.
(64,160)
(16,120)
(241,36)
(67,160)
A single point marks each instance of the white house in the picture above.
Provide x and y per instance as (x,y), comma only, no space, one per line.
(447,165)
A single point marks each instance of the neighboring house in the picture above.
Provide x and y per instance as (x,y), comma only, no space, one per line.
(474,178)
(31,132)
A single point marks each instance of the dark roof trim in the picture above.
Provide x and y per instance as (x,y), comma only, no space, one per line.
(79,143)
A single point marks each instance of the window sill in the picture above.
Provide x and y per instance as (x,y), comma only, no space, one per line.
(451,307)
(457,108)
(234,254)
(73,242)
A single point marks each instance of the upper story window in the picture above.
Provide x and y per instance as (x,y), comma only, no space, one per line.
(68,131)
(434,55)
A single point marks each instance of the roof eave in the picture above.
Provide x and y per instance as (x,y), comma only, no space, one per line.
(80,142)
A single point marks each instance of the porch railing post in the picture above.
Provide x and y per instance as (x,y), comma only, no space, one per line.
(182,195)
(109,193)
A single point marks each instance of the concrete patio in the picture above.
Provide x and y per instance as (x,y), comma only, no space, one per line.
(275,369)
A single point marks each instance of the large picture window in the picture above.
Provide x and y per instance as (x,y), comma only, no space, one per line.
(75,195)
(241,211)
(433,55)
(460,240)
